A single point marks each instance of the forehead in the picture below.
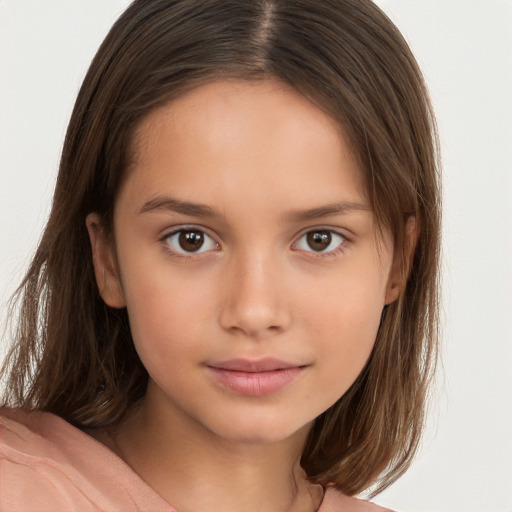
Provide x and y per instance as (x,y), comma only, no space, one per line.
(241,133)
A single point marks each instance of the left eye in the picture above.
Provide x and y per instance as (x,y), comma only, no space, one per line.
(321,240)
(192,241)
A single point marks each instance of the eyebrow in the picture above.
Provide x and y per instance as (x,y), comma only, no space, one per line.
(335,208)
(167,203)
(178,206)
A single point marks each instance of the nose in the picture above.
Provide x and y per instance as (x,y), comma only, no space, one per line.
(256,302)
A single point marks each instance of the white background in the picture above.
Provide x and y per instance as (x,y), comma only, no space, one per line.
(465,50)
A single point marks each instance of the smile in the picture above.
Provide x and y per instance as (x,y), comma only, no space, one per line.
(254,378)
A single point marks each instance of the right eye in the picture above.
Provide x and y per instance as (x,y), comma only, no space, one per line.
(190,241)
(321,241)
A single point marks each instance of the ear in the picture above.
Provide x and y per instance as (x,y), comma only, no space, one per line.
(402,263)
(104,260)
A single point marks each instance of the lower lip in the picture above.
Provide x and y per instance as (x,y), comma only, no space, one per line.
(256,383)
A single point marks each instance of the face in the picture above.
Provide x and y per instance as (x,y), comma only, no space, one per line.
(246,255)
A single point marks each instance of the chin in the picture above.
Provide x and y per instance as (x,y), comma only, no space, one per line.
(259,431)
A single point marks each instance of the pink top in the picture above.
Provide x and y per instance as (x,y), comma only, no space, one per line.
(47,465)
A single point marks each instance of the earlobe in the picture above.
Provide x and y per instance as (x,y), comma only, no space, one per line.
(104,260)
(392,292)
(402,263)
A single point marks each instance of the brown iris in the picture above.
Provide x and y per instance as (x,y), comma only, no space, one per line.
(191,241)
(319,240)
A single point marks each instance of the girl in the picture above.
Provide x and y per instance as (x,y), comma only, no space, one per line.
(233,305)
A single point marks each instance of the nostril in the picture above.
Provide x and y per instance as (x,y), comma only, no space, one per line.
(254,322)
(255,302)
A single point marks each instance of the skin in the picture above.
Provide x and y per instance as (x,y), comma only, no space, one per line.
(267,167)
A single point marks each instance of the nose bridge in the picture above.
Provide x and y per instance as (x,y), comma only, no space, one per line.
(255,298)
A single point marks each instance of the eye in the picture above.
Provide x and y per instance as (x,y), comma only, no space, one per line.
(192,241)
(320,240)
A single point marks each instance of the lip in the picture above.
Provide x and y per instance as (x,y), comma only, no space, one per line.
(255,377)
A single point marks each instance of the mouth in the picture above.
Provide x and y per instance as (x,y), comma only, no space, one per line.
(253,366)
(255,378)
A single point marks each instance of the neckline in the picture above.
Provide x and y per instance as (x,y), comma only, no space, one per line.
(117,460)
(135,475)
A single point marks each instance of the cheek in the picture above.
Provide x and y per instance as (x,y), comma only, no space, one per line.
(345,319)
(348,301)
(167,316)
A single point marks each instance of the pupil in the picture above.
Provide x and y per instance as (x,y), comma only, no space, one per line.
(191,241)
(319,240)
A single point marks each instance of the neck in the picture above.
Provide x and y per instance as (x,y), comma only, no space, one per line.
(217,474)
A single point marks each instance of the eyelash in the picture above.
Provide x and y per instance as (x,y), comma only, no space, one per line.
(213,245)
(333,234)
(180,252)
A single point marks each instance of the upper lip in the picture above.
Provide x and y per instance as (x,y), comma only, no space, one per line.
(253,366)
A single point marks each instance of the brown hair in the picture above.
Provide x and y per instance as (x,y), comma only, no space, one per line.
(74,355)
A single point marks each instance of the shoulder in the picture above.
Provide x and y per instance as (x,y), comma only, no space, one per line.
(32,465)
(31,433)
(47,464)
(336,501)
